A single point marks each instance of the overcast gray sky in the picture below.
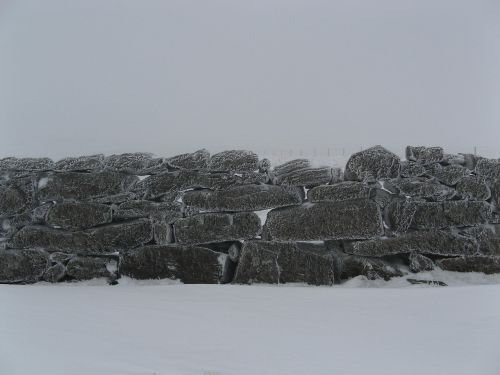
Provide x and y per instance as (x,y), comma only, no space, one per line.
(88,76)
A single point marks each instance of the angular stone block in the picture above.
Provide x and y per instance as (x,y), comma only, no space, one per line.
(342,191)
(291,165)
(488,168)
(87,268)
(243,198)
(168,211)
(485,264)
(424,242)
(194,160)
(35,236)
(473,188)
(121,236)
(420,263)
(189,264)
(358,219)
(449,175)
(76,216)
(26,164)
(16,196)
(284,262)
(22,266)
(372,164)
(81,163)
(424,155)
(310,177)
(234,161)
(55,273)
(138,163)
(412,169)
(81,186)
(216,227)
(422,188)
(452,159)
(487,236)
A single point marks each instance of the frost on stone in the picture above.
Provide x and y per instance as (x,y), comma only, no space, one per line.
(473,188)
(291,166)
(342,191)
(76,216)
(195,160)
(424,155)
(216,227)
(412,169)
(189,264)
(22,266)
(421,188)
(310,177)
(449,175)
(138,163)
(243,198)
(86,268)
(488,168)
(485,264)
(26,164)
(234,161)
(134,209)
(81,163)
(420,263)
(16,196)
(360,219)
(372,164)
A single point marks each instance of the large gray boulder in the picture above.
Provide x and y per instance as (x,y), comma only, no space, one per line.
(121,236)
(412,169)
(339,192)
(372,164)
(473,188)
(284,262)
(487,237)
(195,160)
(421,188)
(189,264)
(81,186)
(449,175)
(16,196)
(290,166)
(310,177)
(488,168)
(135,209)
(485,264)
(424,242)
(87,268)
(138,163)
(359,219)
(216,227)
(36,236)
(435,215)
(424,155)
(26,164)
(243,198)
(22,266)
(76,216)
(234,161)
(81,163)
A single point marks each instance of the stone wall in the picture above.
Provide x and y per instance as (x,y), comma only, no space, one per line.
(230,217)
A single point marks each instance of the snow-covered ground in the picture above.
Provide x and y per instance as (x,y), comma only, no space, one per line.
(163,328)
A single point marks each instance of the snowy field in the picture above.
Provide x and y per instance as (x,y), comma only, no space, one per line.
(163,328)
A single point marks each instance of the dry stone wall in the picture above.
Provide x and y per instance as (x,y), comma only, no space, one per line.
(232,217)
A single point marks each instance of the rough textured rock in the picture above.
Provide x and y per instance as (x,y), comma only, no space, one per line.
(35,236)
(80,186)
(422,188)
(488,238)
(55,273)
(449,159)
(483,264)
(264,165)
(424,155)
(121,236)
(372,164)
(412,169)
(115,198)
(22,266)
(26,164)
(243,198)
(449,175)
(189,264)
(342,191)
(169,185)
(488,168)
(86,268)
(310,177)
(284,262)
(75,216)
(216,227)
(168,211)
(495,194)
(81,163)
(194,160)
(16,196)
(138,163)
(358,219)
(291,166)
(234,161)
(473,188)
(429,242)
(433,215)
(420,263)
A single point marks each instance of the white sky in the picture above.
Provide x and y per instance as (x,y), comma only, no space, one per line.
(87,76)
